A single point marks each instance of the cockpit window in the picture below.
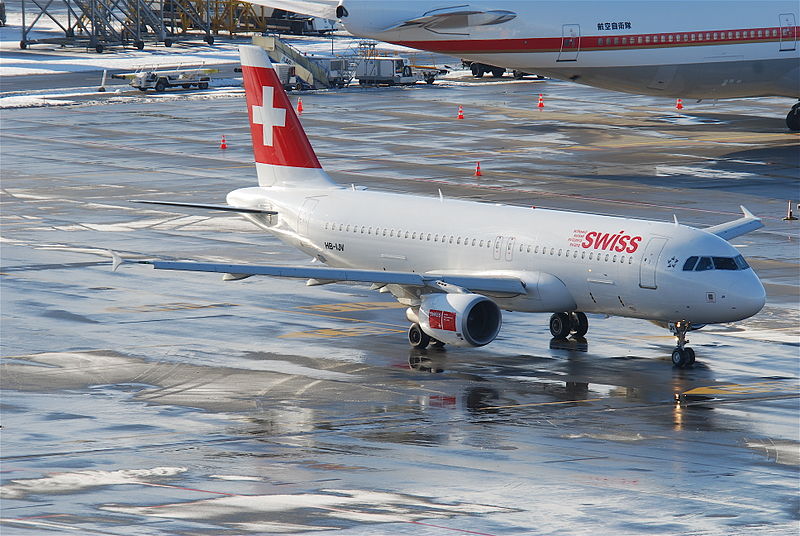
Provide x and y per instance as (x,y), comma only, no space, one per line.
(704,264)
(701,264)
(688,266)
(724,263)
(740,262)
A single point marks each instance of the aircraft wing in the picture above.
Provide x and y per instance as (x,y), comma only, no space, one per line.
(501,284)
(747,223)
(325,9)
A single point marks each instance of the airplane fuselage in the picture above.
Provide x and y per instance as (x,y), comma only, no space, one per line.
(568,261)
(692,49)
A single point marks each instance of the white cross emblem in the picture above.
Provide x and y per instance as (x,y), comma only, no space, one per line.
(268,116)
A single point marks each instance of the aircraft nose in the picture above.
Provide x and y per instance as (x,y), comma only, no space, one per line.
(750,296)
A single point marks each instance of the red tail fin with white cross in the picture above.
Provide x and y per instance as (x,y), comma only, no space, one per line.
(284,157)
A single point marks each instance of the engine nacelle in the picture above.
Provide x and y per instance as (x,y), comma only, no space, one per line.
(460,319)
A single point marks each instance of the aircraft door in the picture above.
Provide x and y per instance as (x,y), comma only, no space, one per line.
(647,270)
(570,42)
(788,31)
(305,213)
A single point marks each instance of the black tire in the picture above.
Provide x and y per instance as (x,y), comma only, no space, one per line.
(143,89)
(161,85)
(793,118)
(689,356)
(167,42)
(518,74)
(203,85)
(560,325)
(186,86)
(498,72)
(209,39)
(418,338)
(430,80)
(23,45)
(679,358)
(477,70)
(99,48)
(580,324)
(139,45)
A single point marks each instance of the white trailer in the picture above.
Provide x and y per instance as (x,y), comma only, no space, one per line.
(159,80)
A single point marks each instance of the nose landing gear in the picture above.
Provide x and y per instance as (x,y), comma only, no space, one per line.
(682,355)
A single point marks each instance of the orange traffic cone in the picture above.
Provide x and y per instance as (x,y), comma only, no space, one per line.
(460,112)
(223,144)
(541,102)
(478,170)
(299,106)
(679,104)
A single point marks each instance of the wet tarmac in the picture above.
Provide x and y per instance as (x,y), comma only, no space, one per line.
(137,402)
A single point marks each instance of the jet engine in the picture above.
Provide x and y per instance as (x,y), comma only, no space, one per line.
(460,319)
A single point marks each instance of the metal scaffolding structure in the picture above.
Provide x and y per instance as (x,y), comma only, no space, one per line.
(99,23)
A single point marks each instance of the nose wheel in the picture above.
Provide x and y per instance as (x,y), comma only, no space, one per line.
(682,355)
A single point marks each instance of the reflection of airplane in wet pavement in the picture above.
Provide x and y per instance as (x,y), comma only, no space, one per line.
(456,264)
(682,49)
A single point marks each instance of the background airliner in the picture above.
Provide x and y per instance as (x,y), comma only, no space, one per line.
(456,264)
(681,49)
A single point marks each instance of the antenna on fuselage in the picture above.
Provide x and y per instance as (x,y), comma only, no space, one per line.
(441,197)
(675,218)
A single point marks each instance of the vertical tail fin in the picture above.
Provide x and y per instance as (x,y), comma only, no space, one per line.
(284,156)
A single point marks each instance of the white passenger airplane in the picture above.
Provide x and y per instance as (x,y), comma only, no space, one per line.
(456,264)
(696,49)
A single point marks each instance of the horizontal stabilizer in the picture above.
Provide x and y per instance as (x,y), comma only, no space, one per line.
(226,208)
(510,285)
(747,223)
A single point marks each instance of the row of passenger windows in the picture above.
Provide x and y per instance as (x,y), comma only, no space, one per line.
(689,37)
(701,264)
(475,242)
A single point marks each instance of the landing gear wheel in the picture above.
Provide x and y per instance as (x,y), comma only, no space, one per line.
(679,357)
(203,85)
(682,355)
(560,325)
(139,45)
(580,324)
(477,70)
(498,72)
(161,85)
(793,118)
(689,356)
(418,338)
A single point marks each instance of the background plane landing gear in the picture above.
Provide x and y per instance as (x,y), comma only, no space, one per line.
(562,324)
(682,355)
(793,118)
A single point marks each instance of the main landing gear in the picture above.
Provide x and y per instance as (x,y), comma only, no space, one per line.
(420,340)
(682,355)
(562,324)
(793,118)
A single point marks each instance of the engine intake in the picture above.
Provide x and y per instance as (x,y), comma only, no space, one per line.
(460,319)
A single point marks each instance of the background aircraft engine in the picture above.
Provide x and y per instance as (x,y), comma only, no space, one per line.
(460,319)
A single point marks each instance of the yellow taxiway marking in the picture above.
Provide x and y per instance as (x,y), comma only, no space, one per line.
(532,404)
(333,333)
(736,389)
(352,306)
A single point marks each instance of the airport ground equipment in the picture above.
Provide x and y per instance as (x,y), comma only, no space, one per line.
(159,80)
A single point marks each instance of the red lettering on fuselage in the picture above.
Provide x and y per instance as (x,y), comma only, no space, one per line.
(618,241)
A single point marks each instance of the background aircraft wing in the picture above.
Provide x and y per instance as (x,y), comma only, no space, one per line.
(749,222)
(316,8)
(500,284)
(206,206)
